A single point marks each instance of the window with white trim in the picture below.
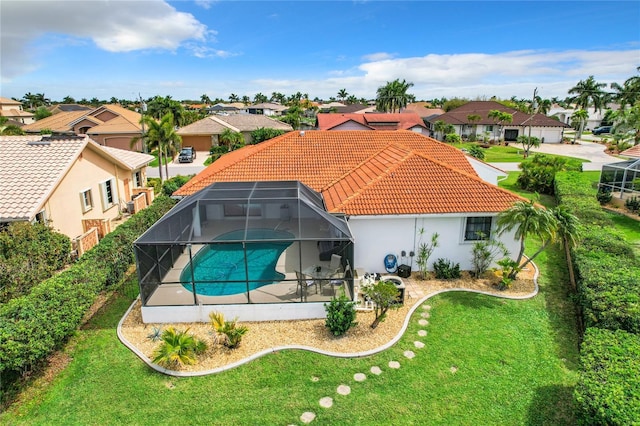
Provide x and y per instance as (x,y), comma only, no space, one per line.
(477,228)
(137,179)
(86,200)
(109,194)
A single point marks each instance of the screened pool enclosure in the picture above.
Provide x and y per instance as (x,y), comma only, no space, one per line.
(622,179)
(250,249)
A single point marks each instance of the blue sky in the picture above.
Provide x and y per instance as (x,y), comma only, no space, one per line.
(97,48)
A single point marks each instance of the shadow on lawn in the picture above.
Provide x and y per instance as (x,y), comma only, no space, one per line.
(551,405)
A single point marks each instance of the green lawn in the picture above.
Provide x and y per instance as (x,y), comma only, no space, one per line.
(506,154)
(516,364)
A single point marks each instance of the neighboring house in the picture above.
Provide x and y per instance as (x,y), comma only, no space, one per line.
(389,184)
(13,111)
(71,183)
(371,121)
(108,125)
(547,129)
(633,152)
(203,134)
(58,108)
(594,120)
(267,108)
(230,108)
(423,109)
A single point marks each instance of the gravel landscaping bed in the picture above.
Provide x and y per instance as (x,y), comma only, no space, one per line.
(312,333)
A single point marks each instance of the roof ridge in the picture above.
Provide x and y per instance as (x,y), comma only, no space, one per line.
(225,124)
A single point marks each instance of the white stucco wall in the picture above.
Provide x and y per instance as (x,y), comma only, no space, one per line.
(377,236)
(485,171)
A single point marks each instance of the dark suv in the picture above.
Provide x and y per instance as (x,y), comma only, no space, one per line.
(187,155)
(602,129)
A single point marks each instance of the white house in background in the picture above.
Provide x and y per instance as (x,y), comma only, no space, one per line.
(547,129)
(594,120)
(266,108)
(13,111)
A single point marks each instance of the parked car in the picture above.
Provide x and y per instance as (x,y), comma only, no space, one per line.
(187,154)
(602,129)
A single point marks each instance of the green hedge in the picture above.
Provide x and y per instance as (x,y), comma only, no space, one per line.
(34,325)
(29,254)
(608,390)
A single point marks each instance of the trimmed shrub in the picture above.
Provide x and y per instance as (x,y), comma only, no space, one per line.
(608,389)
(632,204)
(446,270)
(171,185)
(34,325)
(341,315)
(604,196)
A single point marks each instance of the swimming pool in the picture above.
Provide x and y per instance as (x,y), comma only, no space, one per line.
(220,269)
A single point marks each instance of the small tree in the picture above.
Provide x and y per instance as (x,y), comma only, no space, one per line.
(484,252)
(476,152)
(452,138)
(527,143)
(384,296)
(425,250)
(341,315)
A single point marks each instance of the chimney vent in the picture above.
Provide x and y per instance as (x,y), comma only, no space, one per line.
(301,133)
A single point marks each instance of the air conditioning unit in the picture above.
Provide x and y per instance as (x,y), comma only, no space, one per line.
(131,207)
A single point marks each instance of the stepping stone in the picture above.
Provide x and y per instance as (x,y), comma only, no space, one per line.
(315,379)
(344,390)
(359,377)
(394,364)
(418,344)
(423,322)
(307,417)
(425,315)
(453,369)
(409,354)
(376,370)
(426,307)
(422,333)
(326,402)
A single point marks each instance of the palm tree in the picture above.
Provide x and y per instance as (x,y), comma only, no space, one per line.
(205,99)
(629,92)
(342,94)
(589,92)
(473,119)
(500,118)
(178,348)
(528,219)
(68,100)
(160,135)
(544,105)
(260,98)
(439,127)
(393,96)
(581,117)
(233,98)
(229,138)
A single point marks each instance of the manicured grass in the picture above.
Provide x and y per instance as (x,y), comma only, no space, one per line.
(516,364)
(507,154)
(154,162)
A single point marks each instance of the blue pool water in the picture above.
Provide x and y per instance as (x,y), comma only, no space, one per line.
(219,269)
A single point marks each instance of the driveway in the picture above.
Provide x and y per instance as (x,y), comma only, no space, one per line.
(176,168)
(584,149)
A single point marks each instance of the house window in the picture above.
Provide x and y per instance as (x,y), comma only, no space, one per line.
(41,217)
(235,210)
(477,228)
(86,200)
(488,128)
(137,179)
(109,195)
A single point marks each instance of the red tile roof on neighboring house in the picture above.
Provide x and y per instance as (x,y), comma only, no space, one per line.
(375,121)
(632,152)
(364,173)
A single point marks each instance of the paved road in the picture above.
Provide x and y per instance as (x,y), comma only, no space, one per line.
(176,168)
(585,149)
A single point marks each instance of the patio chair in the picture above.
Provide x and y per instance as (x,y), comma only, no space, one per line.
(339,279)
(304,282)
(336,263)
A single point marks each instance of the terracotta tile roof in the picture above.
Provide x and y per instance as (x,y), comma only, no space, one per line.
(482,108)
(33,172)
(423,109)
(375,121)
(632,152)
(8,101)
(364,173)
(59,123)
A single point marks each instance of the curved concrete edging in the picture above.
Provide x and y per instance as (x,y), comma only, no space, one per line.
(257,355)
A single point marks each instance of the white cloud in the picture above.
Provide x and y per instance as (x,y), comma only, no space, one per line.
(380,56)
(114,26)
(205,4)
